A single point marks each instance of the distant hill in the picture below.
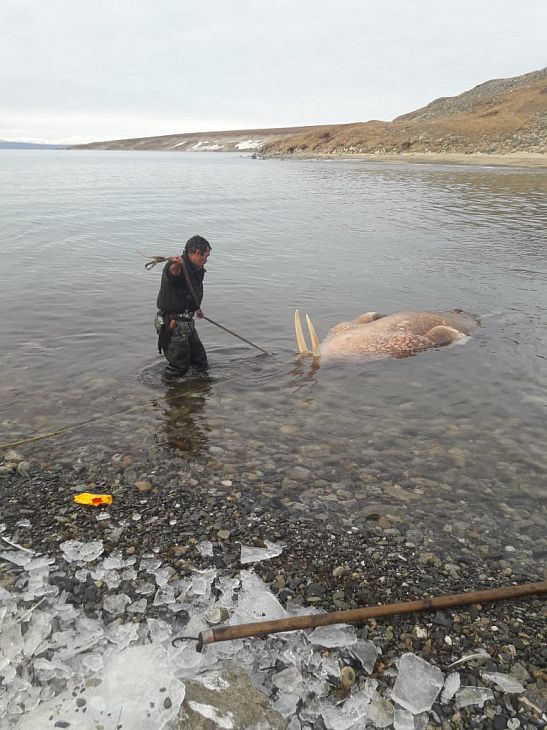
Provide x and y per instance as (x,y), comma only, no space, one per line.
(497,117)
(236,140)
(5,145)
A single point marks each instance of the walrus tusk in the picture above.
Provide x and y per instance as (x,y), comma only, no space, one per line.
(316,352)
(300,341)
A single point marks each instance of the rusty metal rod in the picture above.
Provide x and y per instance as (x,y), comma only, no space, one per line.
(294,623)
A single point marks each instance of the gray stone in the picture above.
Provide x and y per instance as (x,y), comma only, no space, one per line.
(228,699)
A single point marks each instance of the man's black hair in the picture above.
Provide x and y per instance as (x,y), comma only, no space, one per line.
(197,243)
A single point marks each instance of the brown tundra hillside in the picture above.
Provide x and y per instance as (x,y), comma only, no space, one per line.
(497,117)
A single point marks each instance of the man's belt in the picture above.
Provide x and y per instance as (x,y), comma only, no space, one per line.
(183,316)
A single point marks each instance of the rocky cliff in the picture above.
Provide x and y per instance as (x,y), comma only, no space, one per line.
(498,117)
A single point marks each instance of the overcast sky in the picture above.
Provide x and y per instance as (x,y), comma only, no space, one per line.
(81,70)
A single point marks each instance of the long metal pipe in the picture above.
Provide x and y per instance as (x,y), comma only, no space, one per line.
(294,623)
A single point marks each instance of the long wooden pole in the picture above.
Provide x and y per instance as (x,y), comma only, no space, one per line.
(294,623)
(160,259)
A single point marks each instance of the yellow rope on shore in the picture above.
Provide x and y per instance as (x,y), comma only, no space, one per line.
(39,437)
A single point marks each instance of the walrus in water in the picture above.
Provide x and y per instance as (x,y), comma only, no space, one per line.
(393,335)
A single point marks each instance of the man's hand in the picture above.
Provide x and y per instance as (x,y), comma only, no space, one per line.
(199,314)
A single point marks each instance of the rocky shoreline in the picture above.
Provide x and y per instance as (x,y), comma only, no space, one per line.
(518,159)
(325,564)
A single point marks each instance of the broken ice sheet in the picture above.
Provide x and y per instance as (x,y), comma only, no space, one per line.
(39,628)
(451,686)
(11,640)
(417,685)
(162,575)
(255,554)
(288,679)
(352,715)
(138,606)
(473,696)
(16,557)
(287,704)
(164,596)
(160,630)
(505,682)
(114,561)
(149,565)
(74,550)
(403,719)
(138,680)
(335,635)
(201,582)
(256,602)
(116,603)
(205,548)
(93,662)
(380,711)
(122,634)
(366,653)
(144,588)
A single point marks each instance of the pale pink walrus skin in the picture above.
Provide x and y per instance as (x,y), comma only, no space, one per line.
(373,335)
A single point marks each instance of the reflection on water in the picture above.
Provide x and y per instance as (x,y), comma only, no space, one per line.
(456,433)
(183,414)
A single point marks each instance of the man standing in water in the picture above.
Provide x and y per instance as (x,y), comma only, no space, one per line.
(179,299)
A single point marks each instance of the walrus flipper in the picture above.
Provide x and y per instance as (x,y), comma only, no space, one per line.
(443,335)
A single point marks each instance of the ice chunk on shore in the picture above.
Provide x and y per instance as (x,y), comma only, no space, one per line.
(160,630)
(287,704)
(331,636)
(256,601)
(39,629)
(205,548)
(137,684)
(403,719)
(505,682)
(353,713)
(380,711)
(473,696)
(116,603)
(164,596)
(366,653)
(93,662)
(288,680)
(255,554)
(417,685)
(451,686)
(122,634)
(74,550)
(11,640)
(16,557)
(138,606)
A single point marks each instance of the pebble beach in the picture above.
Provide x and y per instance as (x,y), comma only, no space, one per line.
(323,562)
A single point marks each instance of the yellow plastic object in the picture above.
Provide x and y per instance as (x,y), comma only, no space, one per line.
(95,500)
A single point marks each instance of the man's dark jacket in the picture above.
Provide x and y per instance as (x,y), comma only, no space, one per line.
(174,296)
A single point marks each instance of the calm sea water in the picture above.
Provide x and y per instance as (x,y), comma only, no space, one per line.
(333,239)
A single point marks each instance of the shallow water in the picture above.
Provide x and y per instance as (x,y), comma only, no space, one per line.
(460,430)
